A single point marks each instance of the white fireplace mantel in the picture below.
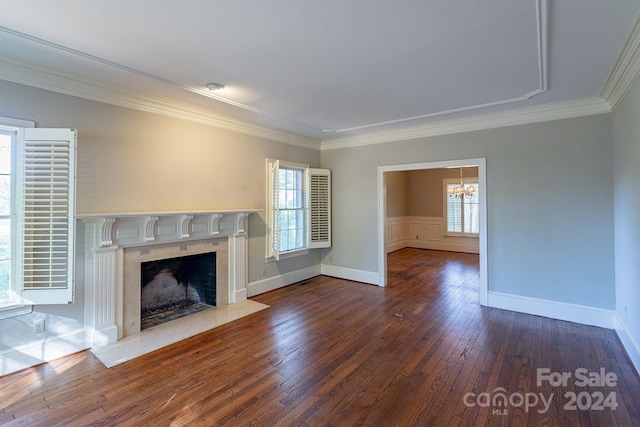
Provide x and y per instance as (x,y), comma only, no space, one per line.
(106,235)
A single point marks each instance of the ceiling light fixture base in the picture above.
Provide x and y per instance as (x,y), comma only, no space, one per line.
(215,86)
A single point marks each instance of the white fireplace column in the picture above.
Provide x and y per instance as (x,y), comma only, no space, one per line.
(238,265)
(107,234)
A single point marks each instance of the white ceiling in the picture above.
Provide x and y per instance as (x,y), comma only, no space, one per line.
(330,69)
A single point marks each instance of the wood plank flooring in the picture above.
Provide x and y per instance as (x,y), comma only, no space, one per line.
(330,352)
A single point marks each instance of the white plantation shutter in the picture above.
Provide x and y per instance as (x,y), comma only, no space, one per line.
(46,222)
(298,208)
(462,214)
(274,243)
(454,212)
(319,208)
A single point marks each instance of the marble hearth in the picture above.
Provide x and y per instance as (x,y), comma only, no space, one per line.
(116,244)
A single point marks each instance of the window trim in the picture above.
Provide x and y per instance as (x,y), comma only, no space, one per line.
(271,254)
(445,194)
(14,125)
(317,210)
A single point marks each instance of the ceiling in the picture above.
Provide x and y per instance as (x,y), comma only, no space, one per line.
(327,69)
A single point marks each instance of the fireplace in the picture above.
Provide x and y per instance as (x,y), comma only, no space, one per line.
(176,287)
(135,258)
(116,246)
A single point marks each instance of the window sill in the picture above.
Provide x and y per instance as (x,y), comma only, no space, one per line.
(15,310)
(290,254)
(469,236)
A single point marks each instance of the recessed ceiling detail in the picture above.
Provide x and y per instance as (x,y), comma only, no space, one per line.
(297,69)
(541,42)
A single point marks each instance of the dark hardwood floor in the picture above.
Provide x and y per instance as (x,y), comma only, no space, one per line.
(330,352)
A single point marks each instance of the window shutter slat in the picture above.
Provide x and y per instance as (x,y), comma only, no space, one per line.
(275,216)
(319,208)
(47,182)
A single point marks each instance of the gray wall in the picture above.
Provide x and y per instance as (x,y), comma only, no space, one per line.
(550,215)
(132,161)
(626,201)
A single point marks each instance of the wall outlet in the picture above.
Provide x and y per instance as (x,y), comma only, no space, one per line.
(38,326)
(264,272)
(330,259)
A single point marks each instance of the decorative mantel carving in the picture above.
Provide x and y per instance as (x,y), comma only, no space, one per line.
(107,234)
(136,228)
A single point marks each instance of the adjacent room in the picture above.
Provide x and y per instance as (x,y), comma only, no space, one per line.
(319,213)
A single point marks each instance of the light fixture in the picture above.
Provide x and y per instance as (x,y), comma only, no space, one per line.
(215,86)
(460,192)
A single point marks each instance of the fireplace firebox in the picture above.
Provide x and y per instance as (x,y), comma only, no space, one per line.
(176,287)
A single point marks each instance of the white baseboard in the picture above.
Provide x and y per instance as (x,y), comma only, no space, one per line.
(100,337)
(471,248)
(240,295)
(632,347)
(583,314)
(35,353)
(351,274)
(266,285)
(396,246)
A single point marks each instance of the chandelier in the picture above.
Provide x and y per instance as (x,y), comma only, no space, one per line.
(459,192)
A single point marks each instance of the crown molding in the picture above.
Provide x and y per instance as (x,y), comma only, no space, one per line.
(626,69)
(37,75)
(542,113)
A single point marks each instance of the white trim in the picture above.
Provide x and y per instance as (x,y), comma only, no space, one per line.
(7,123)
(626,69)
(351,274)
(38,75)
(632,347)
(11,125)
(15,310)
(44,350)
(290,254)
(481,163)
(540,113)
(576,313)
(272,283)
(396,233)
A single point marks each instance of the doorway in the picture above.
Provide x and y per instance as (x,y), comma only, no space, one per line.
(480,163)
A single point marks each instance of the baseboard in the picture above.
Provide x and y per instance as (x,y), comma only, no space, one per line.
(272,283)
(240,295)
(396,246)
(632,348)
(583,314)
(351,274)
(35,353)
(443,246)
(100,337)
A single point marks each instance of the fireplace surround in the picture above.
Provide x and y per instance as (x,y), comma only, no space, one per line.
(117,244)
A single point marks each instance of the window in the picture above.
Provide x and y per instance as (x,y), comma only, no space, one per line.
(298,208)
(462,213)
(37,215)
(291,209)
(8,291)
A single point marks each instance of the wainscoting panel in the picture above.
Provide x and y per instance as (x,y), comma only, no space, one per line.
(425,233)
(396,231)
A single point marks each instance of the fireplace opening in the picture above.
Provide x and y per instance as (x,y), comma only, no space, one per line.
(176,287)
